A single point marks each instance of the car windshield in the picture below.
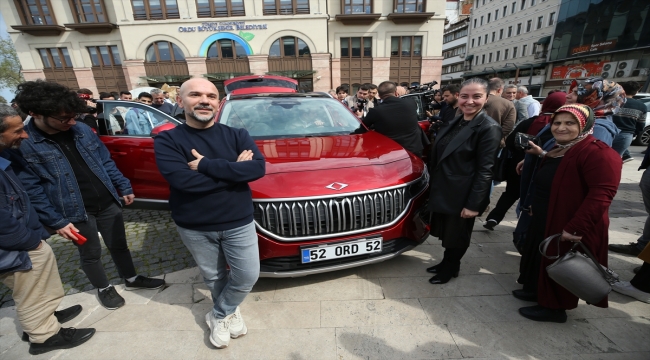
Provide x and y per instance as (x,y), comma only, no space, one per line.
(288,117)
(257,82)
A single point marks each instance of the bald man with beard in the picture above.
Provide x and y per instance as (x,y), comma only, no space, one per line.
(208,166)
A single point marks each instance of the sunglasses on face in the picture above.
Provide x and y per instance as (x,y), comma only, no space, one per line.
(64,119)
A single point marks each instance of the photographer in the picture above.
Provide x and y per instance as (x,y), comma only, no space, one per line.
(359,103)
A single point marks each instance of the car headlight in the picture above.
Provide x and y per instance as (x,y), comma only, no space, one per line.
(415,188)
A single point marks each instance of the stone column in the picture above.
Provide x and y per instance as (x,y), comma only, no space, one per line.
(258,64)
(32,75)
(320,63)
(133,70)
(380,70)
(86,80)
(196,66)
(336,72)
(431,69)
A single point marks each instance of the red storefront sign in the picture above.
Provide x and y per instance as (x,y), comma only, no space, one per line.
(589,48)
(577,70)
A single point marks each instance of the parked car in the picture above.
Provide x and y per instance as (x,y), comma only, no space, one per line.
(643,139)
(330,199)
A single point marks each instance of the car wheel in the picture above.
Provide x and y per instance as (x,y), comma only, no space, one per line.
(644,138)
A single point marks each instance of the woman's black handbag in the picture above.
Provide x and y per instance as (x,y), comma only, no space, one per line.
(579,273)
(500,168)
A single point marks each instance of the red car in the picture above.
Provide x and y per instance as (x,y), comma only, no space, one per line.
(330,199)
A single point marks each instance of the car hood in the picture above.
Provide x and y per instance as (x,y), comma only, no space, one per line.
(304,167)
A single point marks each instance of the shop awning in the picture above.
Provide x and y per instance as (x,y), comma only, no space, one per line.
(544,41)
(469,57)
(469,75)
(294,74)
(223,76)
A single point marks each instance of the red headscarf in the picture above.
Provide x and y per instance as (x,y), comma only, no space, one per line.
(553,102)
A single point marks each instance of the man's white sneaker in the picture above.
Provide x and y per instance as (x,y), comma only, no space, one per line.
(625,288)
(219,330)
(237,326)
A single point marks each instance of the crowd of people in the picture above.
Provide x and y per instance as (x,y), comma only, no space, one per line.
(563,166)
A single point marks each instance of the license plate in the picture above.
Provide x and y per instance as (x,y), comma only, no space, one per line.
(341,250)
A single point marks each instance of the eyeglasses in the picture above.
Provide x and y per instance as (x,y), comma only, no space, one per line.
(66,118)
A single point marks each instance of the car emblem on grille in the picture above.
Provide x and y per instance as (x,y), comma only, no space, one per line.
(336,186)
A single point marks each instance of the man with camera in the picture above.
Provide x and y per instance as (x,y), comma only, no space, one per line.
(359,103)
(396,118)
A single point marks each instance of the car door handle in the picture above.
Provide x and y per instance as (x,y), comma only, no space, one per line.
(118,153)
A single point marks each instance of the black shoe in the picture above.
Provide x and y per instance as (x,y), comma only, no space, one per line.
(110,299)
(521,294)
(540,313)
(62,316)
(435,268)
(490,224)
(442,278)
(66,338)
(142,282)
(637,269)
(630,249)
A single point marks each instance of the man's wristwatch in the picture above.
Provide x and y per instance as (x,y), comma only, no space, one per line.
(544,152)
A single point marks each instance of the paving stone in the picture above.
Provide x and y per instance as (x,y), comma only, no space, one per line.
(389,312)
(306,289)
(419,287)
(174,294)
(471,309)
(630,334)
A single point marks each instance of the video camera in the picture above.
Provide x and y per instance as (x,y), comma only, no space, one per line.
(361,103)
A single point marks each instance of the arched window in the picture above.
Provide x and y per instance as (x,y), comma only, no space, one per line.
(164,51)
(226,49)
(289,46)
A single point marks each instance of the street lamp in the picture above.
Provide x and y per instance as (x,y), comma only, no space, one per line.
(516,73)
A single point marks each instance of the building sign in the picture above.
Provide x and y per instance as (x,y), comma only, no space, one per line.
(597,47)
(222,26)
(575,71)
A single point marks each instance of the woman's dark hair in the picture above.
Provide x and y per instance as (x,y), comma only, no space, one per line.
(104,95)
(115,94)
(145,94)
(342,88)
(47,98)
(482,82)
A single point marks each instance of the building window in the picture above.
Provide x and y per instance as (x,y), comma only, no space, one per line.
(481,20)
(476,61)
(155,9)
(453,52)
(286,7)
(496,14)
(523,50)
(164,51)
(494,35)
(406,46)
(55,58)
(514,7)
(488,18)
(532,2)
(35,12)
(518,28)
(509,31)
(483,59)
(289,46)
(529,25)
(540,21)
(505,10)
(104,55)
(551,19)
(357,6)
(88,11)
(226,49)
(500,34)
(485,40)
(408,6)
(472,42)
(219,8)
(479,41)
(474,23)
(352,47)
(514,52)
(498,55)
(490,58)
(505,54)
(523,4)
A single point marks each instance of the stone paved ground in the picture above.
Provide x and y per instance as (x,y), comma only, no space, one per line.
(381,311)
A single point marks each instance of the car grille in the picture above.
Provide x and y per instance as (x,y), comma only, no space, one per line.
(323,217)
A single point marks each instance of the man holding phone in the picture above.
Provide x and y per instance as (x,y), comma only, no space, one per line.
(75,186)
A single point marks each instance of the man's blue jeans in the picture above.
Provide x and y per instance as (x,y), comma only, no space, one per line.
(621,142)
(212,251)
(644,184)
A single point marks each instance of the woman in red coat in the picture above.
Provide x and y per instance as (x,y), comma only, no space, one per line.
(579,178)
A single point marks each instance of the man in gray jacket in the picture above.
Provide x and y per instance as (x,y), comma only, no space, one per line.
(526,106)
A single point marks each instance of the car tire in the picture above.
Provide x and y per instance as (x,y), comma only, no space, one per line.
(644,138)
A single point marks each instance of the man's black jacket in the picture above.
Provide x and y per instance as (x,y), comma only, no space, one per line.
(398,120)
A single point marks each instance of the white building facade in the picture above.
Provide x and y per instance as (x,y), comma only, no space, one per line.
(454,50)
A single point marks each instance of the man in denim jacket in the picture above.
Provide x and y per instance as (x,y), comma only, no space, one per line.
(27,263)
(75,186)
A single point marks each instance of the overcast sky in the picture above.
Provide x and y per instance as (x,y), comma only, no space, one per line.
(6,93)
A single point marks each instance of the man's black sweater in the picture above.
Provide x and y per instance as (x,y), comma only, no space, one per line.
(217,196)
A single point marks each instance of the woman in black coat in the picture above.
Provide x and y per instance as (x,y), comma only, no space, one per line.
(461,176)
